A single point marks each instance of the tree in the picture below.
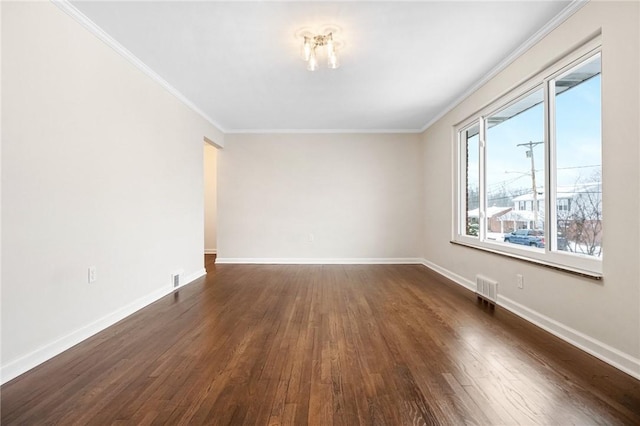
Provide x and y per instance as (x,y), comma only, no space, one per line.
(581,222)
(502,196)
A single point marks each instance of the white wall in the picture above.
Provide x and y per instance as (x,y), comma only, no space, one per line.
(100,166)
(603,317)
(210,198)
(359,196)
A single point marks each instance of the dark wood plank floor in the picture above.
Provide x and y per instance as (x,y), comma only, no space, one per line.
(322,345)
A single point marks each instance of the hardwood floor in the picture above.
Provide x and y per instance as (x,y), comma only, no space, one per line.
(322,345)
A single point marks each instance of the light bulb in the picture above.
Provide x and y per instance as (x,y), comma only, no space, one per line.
(332,60)
(312,64)
(330,47)
(306,48)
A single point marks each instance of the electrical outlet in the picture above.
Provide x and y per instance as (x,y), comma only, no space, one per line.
(520,280)
(92,275)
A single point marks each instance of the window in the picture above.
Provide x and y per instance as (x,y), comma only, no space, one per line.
(472,180)
(514,135)
(532,161)
(564,204)
(578,157)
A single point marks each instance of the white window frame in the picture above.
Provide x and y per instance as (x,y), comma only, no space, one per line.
(549,256)
(461,225)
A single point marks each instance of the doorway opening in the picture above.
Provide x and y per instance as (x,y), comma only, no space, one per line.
(210,171)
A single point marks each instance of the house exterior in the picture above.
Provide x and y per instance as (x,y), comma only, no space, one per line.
(579,213)
(494,221)
(578,210)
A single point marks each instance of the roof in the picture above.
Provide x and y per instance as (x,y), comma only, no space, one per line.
(565,191)
(491,211)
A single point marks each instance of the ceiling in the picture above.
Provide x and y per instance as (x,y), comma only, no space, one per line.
(402,63)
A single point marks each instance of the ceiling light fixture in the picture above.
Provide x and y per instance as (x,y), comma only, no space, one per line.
(314,45)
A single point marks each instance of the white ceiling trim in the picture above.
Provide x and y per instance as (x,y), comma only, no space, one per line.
(566,13)
(319,131)
(83,20)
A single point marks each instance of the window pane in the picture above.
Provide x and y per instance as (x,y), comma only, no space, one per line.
(471,140)
(515,172)
(579,159)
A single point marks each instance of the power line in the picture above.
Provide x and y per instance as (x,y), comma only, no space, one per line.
(528,174)
(579,167)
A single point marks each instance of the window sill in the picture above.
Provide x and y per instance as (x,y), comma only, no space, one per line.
(562,268)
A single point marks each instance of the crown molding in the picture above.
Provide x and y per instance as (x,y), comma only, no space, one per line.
(565,14)
(319,131)
(72,11)
(83,20)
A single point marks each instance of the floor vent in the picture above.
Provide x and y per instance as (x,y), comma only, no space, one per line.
(175,279)
(487,289)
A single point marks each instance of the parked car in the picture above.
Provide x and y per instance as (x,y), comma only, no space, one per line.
(562,243)
(527,237)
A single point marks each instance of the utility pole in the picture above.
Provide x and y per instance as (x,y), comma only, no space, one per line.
(530,145)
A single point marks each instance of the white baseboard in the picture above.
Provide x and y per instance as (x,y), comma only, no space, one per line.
(606,353)
(210,251)
(192,277)
(612,356)
(25,363)
(321,261)
(458,279)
